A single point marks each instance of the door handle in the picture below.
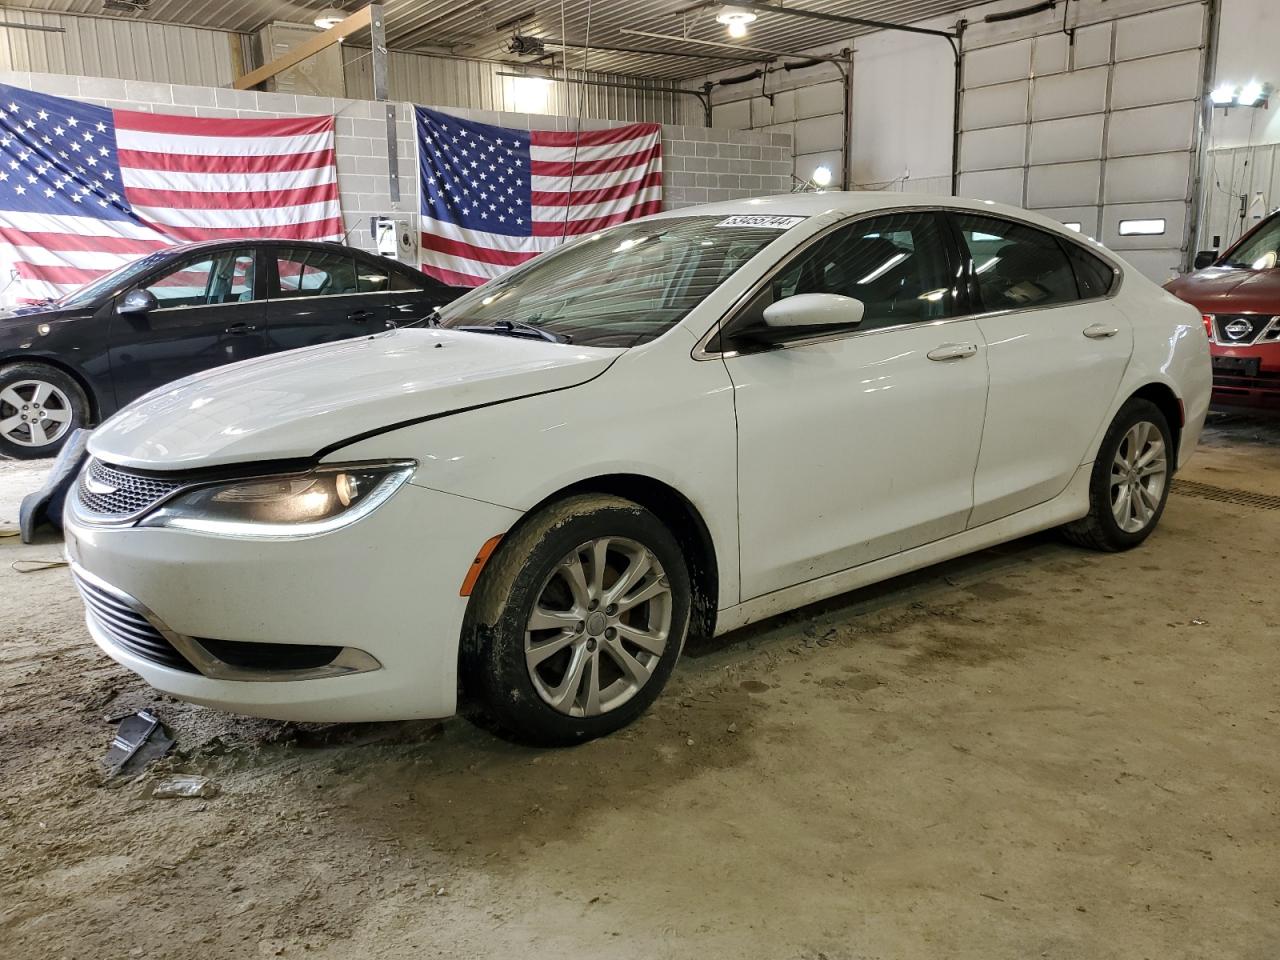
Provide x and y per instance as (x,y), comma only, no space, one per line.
(953,351)
(240,329)
(1099,331)
(359,316)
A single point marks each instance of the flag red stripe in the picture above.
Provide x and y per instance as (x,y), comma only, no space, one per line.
(457,248)
(64,276)
(220,126)
(554,168)
(554,228)
(197,163)
(549,198)
(591,138)
(314,230)
(75,242)
(233,200)
(452,277)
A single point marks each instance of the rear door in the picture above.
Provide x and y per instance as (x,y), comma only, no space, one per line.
(317,295)
(209,312)
(1057,348)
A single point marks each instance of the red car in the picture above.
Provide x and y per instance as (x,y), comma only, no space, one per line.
(1239,295)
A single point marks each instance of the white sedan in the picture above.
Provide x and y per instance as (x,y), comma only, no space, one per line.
(668,429)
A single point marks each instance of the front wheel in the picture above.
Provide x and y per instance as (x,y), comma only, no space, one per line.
(1130,481)
(577,622)
(40,406)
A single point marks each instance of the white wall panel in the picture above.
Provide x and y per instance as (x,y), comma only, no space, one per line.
(1002,186)
(1009,61)
(1063,184)
(1165,176)
(1174,76)
(1060,141)
(1069,94)
(1178,28)
(995,106)
(1087,217)
(1166,127)
(1174,215)
(993,148)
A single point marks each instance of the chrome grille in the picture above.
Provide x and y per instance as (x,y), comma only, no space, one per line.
(116,494)
(127,627)
(1242,329)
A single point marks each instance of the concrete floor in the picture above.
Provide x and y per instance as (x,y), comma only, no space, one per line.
(1034,752)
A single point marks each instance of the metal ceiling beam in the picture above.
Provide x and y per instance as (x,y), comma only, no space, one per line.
(642,50)
(732,46)
(10,25)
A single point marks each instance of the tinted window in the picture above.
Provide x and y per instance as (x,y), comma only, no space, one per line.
(1016,266)
(896,265)
(370,278)
(225,277)
(314,273)
(404,280)
(1093,277)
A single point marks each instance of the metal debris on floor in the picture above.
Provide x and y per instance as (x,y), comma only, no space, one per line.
(141,739)
(185,786)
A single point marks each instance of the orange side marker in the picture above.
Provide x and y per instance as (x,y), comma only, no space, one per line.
(477,565)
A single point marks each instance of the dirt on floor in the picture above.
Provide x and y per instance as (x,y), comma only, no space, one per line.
(1034,752)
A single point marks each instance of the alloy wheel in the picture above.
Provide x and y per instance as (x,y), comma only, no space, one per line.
(1138,476)
(34,413)
(599,627)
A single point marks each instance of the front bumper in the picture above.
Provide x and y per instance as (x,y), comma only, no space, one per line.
(384,590)
(1255,381)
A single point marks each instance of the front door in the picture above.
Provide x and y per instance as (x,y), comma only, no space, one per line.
(1057,348)
(318,295)
(862,443)
(209,312)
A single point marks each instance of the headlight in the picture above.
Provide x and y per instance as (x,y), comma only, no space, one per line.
(284,505)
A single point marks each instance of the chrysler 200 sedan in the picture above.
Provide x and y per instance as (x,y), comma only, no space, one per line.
(665,430)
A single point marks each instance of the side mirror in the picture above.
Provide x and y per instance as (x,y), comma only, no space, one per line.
(1205,258)
(814,310)
(136,301)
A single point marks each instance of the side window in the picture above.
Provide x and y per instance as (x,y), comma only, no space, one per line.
(303,272)
(1016,266)
(224,277)
(1093,276)
(371,278)
(895,264)
(402,280)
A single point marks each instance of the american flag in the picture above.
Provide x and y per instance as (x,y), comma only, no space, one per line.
(85,189)
(493,197)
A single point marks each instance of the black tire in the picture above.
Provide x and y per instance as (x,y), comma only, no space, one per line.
(1099,529)
(68,397)
(496,681)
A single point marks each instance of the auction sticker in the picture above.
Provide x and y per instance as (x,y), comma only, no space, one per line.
(760,220)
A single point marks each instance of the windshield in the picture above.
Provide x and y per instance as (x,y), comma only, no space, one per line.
(1259,252)
(624,286)
(95,289)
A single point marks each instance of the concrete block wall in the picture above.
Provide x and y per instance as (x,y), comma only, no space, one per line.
(701,164)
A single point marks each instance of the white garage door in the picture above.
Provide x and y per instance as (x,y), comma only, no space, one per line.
(1102,133)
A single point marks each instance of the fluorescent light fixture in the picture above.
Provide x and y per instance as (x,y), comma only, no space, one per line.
(822,176)
(329,17)
(1223,94)
(884,268)
(1072,225)
(1250,93)
(736,19)
(1142,228)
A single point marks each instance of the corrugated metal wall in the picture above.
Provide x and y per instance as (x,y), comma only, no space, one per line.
(1241,186)
(474,85)
(124,49)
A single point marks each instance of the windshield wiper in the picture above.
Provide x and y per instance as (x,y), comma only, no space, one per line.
(516,328)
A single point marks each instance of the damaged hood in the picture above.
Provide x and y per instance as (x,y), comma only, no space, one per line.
(292,405)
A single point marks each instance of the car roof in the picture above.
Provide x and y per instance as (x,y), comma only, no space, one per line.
(198,245)
(850,202)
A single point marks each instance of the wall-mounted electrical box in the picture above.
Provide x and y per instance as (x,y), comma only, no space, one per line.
(395,239)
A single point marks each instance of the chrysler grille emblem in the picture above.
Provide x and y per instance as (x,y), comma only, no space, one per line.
(98,487)
(1238,329)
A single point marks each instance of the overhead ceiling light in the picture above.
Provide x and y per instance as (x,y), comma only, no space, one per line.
(1250,93)
(1223,94)
(736,19)
(329,17)
(821,176)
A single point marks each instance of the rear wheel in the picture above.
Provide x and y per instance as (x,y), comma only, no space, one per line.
(39,408)
(577,622)
(1130,481)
